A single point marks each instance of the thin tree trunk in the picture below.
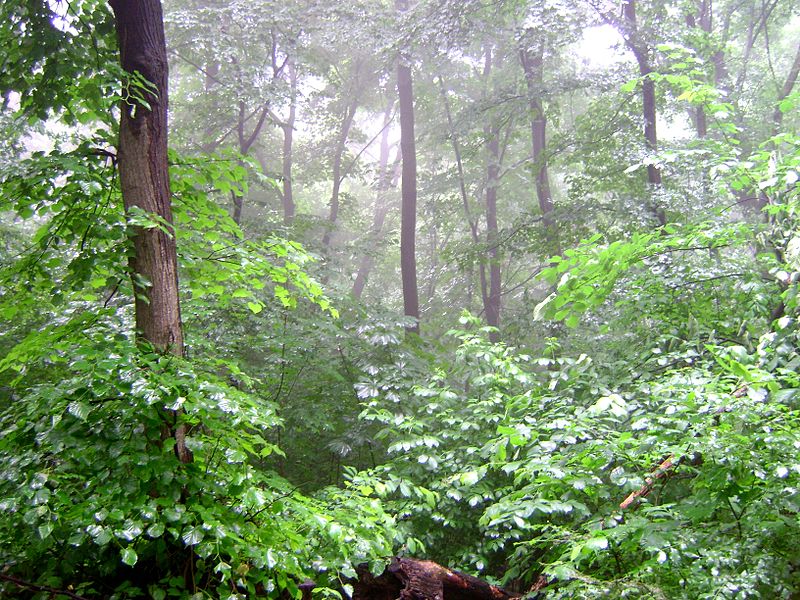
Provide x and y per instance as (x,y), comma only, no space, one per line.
(288,141)
(385,182)
(788,86)
(640,51)
(698,113)
(492,134)
(338,153)
(144,180)
(492,181)
(761,199)
(533,66)
(245,143)
(408,211)
(462,186)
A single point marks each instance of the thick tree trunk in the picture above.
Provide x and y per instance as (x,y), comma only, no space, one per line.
(533,67)
(144,179)
(408,211)
(412,579)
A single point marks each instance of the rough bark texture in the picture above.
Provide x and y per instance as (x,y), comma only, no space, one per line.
(144,179)
(412,579)
(408,211)
(142,159)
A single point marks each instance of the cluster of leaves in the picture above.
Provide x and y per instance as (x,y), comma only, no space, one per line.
(522,468)
(92,496)
(90,480)
(675,476)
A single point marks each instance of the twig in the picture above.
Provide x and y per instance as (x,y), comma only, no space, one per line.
(40,588)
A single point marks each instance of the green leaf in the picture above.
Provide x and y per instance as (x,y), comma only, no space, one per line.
(129,556)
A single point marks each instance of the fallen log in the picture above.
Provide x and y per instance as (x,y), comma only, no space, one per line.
(413,579)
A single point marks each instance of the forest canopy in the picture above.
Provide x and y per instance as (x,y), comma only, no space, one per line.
(423,299)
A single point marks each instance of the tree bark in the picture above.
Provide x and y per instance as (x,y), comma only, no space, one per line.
(408,211)
(413,579)
(144,180)
(698,113)
(533,67)
(245,143)
(641,52)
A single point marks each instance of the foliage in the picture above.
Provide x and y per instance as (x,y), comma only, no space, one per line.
(635,431)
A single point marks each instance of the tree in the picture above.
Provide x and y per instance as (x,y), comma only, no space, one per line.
(532,60)
(144,179)
(408,210)
(491,132)
(386,179)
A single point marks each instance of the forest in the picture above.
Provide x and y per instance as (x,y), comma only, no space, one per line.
(410,299)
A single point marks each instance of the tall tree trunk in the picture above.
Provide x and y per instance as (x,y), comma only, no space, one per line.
(492,134)
(462,186)
(338,154)
(384,183)
(408,211)
(245,143)
(144,179)
(701,17)
(533,66)
(788,86)
(288,141)
(492,180)
(698,113)
(641,52)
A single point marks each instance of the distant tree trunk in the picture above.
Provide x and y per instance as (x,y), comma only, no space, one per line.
(760,200)
(492,135)
(408,211)
(384,184)
(288,140)
(144,179)
(700,17)
(788,86)
(245,143)
(338,154)
(462,186)
(533,66)
(641,52)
